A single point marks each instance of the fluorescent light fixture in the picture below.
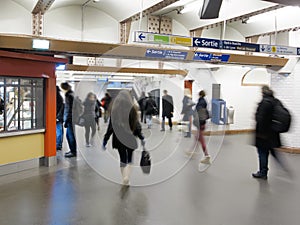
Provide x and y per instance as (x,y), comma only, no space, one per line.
(40,44)
(60,67)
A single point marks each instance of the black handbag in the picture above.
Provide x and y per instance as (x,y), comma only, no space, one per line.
(145,161)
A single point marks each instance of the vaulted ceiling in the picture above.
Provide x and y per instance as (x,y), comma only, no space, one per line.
(123,9)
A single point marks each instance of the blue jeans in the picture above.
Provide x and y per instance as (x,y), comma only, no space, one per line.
(263,156)
(149,120)
(71,138)
(59,135)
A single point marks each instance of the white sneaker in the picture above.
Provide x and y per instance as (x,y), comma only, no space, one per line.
(205,160)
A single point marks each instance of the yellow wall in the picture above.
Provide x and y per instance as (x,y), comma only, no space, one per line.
(19,148)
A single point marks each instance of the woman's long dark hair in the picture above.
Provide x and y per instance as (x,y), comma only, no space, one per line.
(123,112)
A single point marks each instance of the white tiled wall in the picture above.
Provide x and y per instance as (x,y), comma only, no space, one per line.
(287,89)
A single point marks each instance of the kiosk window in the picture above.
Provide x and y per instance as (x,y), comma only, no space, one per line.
(23,104)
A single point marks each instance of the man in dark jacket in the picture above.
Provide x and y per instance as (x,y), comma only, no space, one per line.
(105,102)
(265,138)
(59,119)
(68,120)
(142,103)
(167,110)
(150,110)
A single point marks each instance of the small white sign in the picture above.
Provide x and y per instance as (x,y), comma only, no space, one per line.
(40,44)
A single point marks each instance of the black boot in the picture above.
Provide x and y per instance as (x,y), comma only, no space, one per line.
(259,175)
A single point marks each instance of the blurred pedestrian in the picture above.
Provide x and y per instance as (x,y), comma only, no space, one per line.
(59,119)
(187,110)
(203,115)
(98,113)
(150,110)
(266,139)
(68,119)
(125,127)
(167,110)
(105,102)
(142,103)
(89,118)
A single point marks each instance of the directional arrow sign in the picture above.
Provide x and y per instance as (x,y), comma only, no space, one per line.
(141,36)
(206,43)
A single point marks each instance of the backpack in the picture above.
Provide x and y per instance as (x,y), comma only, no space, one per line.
(200,117)
(281,117)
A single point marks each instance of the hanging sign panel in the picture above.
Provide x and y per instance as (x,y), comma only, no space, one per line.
(280,50)
(147,37)
(202,56)
(166,54)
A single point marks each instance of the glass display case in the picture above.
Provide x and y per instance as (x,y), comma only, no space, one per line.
(23,104)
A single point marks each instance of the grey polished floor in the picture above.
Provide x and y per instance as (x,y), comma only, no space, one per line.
(85,190)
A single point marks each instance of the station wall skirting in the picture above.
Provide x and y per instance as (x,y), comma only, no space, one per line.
(290,150)
(21,148)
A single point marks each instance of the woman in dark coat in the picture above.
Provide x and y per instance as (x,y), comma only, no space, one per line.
(265,138)
(89,118)
(125,127)
(201,108)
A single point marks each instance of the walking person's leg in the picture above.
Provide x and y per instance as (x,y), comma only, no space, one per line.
(105,116)
(263,154)
(71,141)
(170,123)
(279,160)
(163,124)
(201,139)
(149,120)
(123,165)
(97,122)
(87,134)
(142,116)
(59,135)
(93,127)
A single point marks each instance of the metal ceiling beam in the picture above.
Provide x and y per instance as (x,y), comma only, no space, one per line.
(38,16)
(42,6)
(125,25)
(239,18)
(150,10)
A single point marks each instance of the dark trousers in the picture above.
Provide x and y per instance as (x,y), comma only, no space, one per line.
(71,138)
(59,135)
(163,122)
(143,116)
(125,156)
(263,156)
(89,124)
(106,116)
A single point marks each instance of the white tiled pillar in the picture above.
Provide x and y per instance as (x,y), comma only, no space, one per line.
(287,89)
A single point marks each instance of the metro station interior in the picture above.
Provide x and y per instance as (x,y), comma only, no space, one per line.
(229,49)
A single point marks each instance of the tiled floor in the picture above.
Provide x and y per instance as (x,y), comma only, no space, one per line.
(86,190)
